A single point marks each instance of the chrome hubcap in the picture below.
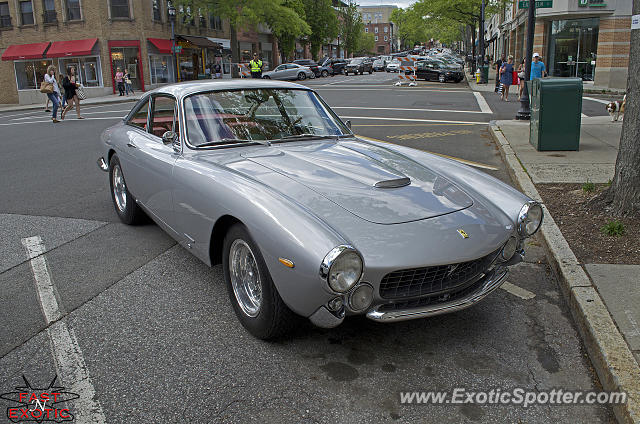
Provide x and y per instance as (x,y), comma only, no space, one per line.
(245,278)
(119,189)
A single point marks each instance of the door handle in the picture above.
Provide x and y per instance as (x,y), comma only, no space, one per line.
(130,144)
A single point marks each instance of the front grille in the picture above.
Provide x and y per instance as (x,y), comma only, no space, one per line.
(433,279)
(432,300)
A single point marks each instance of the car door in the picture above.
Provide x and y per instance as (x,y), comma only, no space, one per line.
(421,70)
(431,71)
(292,71)
(277,73)
(155,159)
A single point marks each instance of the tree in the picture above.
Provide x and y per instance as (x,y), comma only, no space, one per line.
(623,196)
(366,44)
(321,18)
(352,27)
(287,24)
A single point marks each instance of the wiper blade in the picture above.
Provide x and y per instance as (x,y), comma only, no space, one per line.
(233,140)
(286,137)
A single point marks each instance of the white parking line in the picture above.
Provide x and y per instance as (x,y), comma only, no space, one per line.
(69,361)
(412,120)
(517,291)
(593,99)
(123,112)
(484,107)
(407,109)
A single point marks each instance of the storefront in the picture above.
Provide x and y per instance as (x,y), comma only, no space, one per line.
(222,57)
(125,54)
(573,44)
(83,56)
(196,57)
(161,63)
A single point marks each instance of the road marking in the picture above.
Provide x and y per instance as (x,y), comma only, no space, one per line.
(430,134)
(484,107)
(403,125)
(83,113)
(466,162)
(517,291)
(66,120)
(406,109)
(604,102)
(410,120)
(394,89)
(583,115)
(68,358)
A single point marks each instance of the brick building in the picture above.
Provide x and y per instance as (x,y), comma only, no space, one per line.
(377,21)
(576,38)
(382,36)
(98,36)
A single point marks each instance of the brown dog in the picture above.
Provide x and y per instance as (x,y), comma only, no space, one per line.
(616,109)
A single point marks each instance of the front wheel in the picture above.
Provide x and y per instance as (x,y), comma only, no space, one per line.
(441,78)
(302,76)
(254,297)
(266,77)
(312,76)
(126,207)
(325,73)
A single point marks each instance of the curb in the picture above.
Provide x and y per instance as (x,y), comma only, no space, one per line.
(86,102)
(609,353)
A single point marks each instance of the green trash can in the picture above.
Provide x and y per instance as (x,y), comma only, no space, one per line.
(556,111)
(484,74)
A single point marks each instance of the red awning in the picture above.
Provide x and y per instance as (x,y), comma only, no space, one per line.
(25,51)
(72,48)
(163,46)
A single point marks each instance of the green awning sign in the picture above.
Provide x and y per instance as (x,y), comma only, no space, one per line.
(583,3)
(524,4)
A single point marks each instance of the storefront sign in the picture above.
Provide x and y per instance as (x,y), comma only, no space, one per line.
(583,3)
(635,22)
(524,4)
(177,49)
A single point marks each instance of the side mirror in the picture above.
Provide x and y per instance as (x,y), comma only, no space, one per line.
(169,137)
(348,123)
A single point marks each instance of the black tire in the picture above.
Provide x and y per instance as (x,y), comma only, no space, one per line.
(442,78)
(266,77)
(325,73)
(370,72)
(128,211)
(302,76)
(273,318)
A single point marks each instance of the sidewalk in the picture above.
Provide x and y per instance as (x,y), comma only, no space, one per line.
(113,98)
(604,299)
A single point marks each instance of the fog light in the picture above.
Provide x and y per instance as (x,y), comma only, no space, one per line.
(509,249)
(361,297)
(335,304)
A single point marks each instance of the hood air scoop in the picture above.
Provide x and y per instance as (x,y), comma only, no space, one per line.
(395,183)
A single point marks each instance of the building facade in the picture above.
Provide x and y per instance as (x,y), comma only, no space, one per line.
(377,21)
(588,39)
(97,37)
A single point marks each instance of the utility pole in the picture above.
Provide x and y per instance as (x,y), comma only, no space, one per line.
(481,44)
(524,113)
(172,18)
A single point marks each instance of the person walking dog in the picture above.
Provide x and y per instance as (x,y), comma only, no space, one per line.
(256,66)
(70,84)
(506,77)
(54,96)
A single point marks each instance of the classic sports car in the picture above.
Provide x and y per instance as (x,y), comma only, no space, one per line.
(306,218)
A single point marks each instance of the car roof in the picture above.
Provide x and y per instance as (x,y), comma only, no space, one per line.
(183,89)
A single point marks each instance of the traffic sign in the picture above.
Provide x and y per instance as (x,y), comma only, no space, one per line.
(524,4)
(176,49)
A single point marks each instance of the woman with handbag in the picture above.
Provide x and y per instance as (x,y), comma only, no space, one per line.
(521,79)
(506,77)
(71,86)
(127,82)
(50,87)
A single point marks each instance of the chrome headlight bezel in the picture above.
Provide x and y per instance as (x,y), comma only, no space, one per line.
(326,267)
(523,218)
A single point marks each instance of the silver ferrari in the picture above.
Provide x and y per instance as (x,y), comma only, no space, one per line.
(306,218)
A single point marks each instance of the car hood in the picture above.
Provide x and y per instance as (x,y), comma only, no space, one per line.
(371,182)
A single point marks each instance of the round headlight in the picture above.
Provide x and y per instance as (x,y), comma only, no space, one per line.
(361,297)
(529,219)
(509,249)
(341,268)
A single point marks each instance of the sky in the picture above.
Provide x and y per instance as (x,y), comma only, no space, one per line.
(401,4)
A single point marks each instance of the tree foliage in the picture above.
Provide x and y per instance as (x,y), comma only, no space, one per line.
(351,29)
(366,44)
(323,24)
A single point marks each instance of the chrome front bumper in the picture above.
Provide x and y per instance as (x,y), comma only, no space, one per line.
(493,281)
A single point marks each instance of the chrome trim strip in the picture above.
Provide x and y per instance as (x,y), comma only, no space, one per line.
(102,164)
(492,283)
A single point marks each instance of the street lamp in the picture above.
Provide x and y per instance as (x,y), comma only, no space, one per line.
(172,18)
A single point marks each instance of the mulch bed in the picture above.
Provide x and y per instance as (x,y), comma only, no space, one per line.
(581,225)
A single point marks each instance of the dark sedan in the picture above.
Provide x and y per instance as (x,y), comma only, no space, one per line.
(359,65)
(432,70)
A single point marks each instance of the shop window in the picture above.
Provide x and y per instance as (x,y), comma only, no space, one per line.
(26,13)
(215,22)
(119,9)
(73,10)
(29,74)
(162,117)
(49,12)
(161,69)
(157,13)
(5,17)
(87,69)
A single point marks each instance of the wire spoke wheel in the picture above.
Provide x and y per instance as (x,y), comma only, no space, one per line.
(245,278)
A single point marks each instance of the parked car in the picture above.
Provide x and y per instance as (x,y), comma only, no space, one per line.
(379,65)
(359,65)
(335,65)
(432,70)
(311,64)
(289,71)
(306,218)
(393,66)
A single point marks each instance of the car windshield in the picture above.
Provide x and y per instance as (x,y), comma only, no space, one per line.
(356,61)
(258,115)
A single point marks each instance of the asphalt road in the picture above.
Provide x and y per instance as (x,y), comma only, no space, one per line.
(154,339)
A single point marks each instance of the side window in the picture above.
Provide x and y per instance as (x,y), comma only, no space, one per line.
(162,116)
(139,118)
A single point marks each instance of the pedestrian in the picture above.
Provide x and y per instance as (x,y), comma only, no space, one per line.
(498,65)
(538,70)
(50,78)
(70,83)
(506,77)
(46,104)
(63,96)
(218,70)
(256,66)
(120,81)
(521,78)
(127,82)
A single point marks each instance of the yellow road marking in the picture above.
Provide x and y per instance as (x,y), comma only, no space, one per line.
(429,134)
(466,162)
(406,125)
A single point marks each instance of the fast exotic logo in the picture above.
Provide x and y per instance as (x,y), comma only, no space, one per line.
(38,405)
